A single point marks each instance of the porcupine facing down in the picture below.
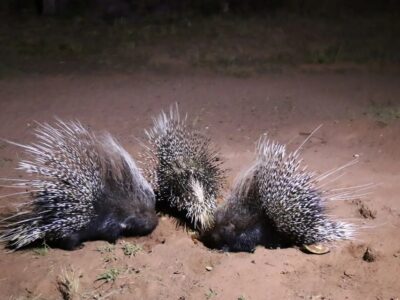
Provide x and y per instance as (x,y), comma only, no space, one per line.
(184,170)
(83,187)
(239,223)
(277,203)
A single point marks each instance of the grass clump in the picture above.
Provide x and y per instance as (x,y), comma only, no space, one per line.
(42,250)
(107,248)
(68,284)
(130,249)
(110,275)
(211,293)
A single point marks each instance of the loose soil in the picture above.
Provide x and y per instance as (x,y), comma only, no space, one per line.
(360,114)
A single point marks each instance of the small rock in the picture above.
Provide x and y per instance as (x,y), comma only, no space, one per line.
(366,212)
(370,255)
(348,274)
(209,268)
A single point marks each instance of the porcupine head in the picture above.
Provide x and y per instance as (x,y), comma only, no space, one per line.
(128,196)
(240,224)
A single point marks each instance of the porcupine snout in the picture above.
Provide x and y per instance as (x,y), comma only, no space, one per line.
(235,231)
(136,210)
(142,223)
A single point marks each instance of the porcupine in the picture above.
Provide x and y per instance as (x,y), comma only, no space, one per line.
(185,170)
(277,204)
(85,187)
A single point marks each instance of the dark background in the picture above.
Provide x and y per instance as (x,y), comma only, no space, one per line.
(134,8)
(233,37)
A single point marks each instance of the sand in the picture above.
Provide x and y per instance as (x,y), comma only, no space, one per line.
(360,116)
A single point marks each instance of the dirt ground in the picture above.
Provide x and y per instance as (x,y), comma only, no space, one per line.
(360,113)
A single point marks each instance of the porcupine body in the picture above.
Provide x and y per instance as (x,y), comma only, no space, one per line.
(184,169)
(276,204)
(83,187)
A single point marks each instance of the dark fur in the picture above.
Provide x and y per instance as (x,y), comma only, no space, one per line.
(241,230)
(116,216)
(107,227)
(240,224)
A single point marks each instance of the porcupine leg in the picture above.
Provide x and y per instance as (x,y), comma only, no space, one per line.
(99,229)
(106,228)
(71,242)
(75,240)
(142,224)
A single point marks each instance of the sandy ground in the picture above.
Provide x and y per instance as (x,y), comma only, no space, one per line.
(360,113)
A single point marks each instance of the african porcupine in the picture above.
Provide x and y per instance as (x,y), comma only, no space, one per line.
(184,170)
(275,203)
(86,187)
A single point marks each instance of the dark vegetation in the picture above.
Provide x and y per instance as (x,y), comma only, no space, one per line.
(233,37)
